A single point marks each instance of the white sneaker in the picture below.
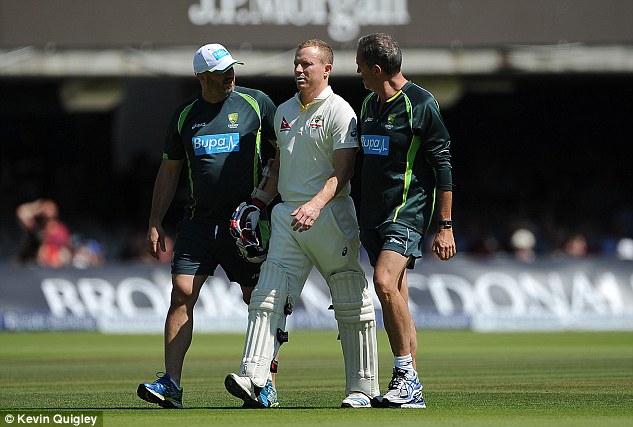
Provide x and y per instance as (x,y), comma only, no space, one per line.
(405,391)
(417,404)
(252,395)
(241,387)
(356,400)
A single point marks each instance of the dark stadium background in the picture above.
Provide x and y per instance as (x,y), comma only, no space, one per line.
(549,152)
(537,95)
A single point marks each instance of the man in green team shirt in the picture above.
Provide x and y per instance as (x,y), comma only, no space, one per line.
(406,170)
(219,135)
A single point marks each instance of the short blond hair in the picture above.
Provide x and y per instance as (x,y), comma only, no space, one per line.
(326,54)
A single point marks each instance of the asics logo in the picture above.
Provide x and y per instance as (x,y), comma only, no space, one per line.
(396,241)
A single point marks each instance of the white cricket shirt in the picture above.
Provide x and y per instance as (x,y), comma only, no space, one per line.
(307,137)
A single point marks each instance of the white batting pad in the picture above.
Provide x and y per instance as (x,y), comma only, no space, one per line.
(265,316)
(354,312)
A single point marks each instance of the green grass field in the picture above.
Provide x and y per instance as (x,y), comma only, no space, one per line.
(527,379)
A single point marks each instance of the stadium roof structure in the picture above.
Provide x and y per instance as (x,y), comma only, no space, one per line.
(458,37)
(48,61)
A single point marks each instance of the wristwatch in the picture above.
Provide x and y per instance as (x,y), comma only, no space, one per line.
(446,223)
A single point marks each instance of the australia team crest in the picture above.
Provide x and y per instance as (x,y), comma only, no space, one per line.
(233,120)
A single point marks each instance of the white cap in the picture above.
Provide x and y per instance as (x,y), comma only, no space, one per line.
(213,57)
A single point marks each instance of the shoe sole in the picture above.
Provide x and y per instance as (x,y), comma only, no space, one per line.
(353,403)
(151,397)
(376,403)
(349,405)
(413,406)
(249,404)
(236,390)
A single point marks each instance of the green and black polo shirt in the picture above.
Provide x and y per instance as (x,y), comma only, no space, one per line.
(222,147)
(405,158)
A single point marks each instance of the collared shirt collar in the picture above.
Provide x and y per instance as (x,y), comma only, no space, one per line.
(320,97)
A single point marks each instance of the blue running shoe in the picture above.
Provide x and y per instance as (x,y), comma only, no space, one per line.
(404,389)
(268,395)
(252,395)
(163,392)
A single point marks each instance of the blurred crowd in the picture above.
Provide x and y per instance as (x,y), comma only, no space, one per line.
(524,246)
(47,241)
(526,239)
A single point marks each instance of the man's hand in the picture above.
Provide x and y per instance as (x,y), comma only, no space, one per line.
(444,244)
(305,216)
(156,241)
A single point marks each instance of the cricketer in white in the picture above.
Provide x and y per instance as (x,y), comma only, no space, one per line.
(314,225)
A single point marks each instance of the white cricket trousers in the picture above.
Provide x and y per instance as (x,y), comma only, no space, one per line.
(332,244)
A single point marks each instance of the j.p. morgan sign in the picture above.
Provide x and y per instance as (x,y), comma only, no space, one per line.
(343,18)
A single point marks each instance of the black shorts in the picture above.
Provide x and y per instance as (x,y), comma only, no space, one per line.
(199,249)
(393,237)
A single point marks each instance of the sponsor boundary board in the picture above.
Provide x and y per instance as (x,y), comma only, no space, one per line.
(497,295)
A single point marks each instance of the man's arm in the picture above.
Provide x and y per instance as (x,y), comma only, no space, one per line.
(269,183)
(444,241)
(164,190)
(28,213)
(307,214)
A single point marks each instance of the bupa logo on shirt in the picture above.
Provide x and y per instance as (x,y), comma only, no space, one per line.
(377,145)
(214,144)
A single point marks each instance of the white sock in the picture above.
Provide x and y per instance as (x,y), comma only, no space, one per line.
(405,362)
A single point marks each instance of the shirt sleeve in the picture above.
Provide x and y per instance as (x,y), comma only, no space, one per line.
(344,131)
(436,142)
(174,148)
(268,110)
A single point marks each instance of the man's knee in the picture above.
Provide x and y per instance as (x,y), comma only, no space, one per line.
(185,289)
(386,283)
(383,284)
